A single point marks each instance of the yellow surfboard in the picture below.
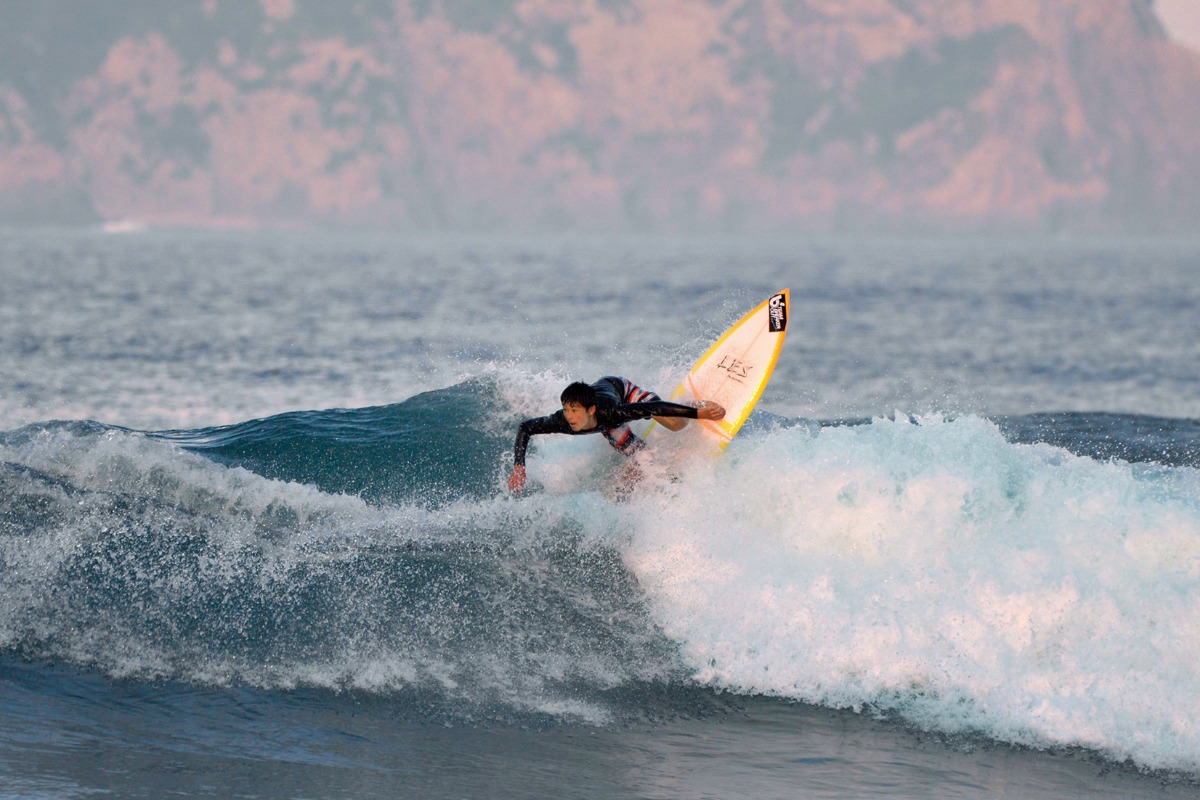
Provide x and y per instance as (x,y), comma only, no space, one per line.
(735,370)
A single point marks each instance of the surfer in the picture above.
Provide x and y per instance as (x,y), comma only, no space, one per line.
(606,407)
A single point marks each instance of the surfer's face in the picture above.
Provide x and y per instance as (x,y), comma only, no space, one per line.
(578,417)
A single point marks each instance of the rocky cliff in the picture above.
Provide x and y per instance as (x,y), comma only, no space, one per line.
(600,114)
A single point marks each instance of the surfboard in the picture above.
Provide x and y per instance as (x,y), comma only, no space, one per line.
(735,370)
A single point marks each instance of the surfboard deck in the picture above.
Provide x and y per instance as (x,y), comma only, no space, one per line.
(735,370)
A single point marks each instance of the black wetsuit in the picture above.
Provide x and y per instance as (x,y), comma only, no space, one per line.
(618,401)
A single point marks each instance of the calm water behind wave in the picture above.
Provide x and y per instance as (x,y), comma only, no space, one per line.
(175,330)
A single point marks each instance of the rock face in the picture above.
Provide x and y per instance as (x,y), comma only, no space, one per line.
(600,114)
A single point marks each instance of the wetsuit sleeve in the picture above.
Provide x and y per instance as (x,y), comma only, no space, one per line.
(651,408)
(555,423)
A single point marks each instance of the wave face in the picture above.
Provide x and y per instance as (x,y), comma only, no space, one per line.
(430,450)
(968,576)
(338,562)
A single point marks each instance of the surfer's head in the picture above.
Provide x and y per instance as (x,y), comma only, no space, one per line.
(579,393)
(579,406)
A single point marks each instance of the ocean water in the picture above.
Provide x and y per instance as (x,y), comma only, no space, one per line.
(254,537)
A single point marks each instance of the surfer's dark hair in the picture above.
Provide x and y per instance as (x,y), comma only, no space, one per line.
(579,393)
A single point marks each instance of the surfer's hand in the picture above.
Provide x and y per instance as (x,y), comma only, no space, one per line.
(710,410)
(516,481)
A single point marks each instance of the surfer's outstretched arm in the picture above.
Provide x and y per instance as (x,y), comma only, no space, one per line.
(671,415)
(554,423)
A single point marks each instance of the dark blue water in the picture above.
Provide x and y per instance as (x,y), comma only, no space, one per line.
(939,588)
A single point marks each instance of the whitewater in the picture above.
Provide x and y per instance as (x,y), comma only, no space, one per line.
(250,497)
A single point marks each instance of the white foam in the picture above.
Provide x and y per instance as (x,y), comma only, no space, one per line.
(934,570)
(928,569)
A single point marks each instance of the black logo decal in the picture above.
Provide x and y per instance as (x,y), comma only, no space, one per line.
(777,314)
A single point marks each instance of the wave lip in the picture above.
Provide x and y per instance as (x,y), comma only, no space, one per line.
(434,448)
